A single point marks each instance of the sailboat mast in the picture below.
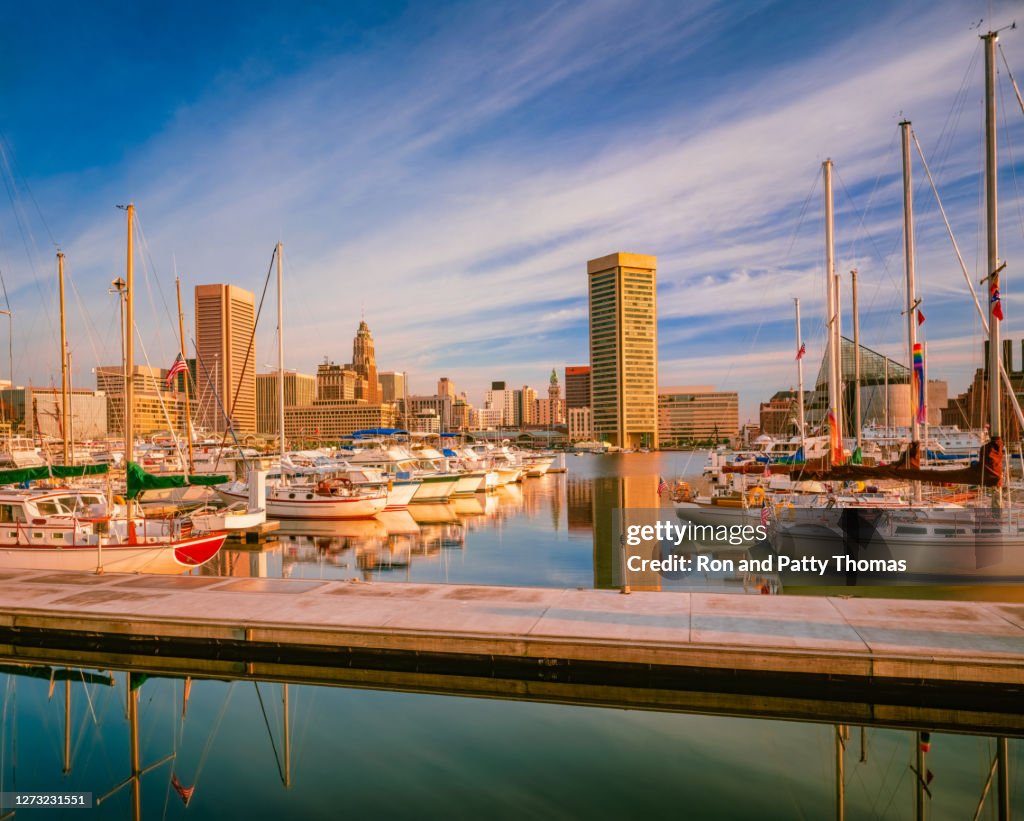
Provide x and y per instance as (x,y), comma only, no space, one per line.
(908,255)
(834,354)
(799,378)
(856,360)
(63,358)
(991,214)
(129,346)
(280,354)
(188,409)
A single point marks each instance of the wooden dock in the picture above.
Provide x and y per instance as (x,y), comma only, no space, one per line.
(953,665)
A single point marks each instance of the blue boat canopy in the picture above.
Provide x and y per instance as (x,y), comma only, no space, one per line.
(379,432)
(449,452)
(450,435)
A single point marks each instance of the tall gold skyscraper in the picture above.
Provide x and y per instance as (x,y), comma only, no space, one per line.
(225,317)
(624,349)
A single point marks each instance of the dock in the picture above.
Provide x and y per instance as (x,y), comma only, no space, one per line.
(957,666)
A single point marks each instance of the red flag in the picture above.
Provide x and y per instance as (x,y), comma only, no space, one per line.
(802,351)
(184,792)
(920,317)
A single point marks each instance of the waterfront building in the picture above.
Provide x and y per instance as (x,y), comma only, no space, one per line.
(970,408)
(581,428)
(624,348)
(394,389)
(446,387)
(38,411)
(335,383)
(503,400)
(551,411)
(226,350)
(331,419)
(485,418)
(577,386)
(299,389)
(462,413)
(439,406)
(698,413)
(526,406)
(425,421)
(779,416)
(154,408)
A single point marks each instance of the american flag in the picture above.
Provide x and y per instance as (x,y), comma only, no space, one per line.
(764,515)
(802,351)
(184,792)
(179,366)
(662,485)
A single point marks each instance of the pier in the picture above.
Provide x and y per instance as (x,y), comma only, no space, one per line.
(942,665)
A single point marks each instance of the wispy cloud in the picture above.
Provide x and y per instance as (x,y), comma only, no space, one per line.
(453,184)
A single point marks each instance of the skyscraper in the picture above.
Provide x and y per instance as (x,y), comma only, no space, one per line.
(364,363)
(225,318)
(624,349)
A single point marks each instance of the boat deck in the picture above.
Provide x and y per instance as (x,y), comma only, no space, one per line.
(943,660)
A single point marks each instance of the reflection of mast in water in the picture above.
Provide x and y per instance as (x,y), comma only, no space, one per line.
(135,779)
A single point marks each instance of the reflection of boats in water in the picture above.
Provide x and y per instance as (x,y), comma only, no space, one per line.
(428,514)
(341,529)
(469,505)
(399,523)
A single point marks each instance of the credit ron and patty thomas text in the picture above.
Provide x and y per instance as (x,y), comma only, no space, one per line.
(668,532)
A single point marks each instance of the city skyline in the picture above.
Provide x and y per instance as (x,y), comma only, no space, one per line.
(457,211)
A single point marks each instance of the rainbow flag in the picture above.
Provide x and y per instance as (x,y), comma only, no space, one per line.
(919,387)
(834,440)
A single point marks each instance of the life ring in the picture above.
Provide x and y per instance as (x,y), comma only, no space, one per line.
(119,500)
(755,497)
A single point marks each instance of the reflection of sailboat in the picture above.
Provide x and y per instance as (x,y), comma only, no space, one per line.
(432,514)
(399,523)
(469,505)
(342,529)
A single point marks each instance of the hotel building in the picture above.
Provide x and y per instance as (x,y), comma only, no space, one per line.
(225,319)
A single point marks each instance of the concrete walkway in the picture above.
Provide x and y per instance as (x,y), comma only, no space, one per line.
(952,644)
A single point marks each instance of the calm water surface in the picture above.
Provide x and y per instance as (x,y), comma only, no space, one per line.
(357,753)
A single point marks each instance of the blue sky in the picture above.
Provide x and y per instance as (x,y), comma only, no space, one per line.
(448,168)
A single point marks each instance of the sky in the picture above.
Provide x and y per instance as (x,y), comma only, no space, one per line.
(446,169)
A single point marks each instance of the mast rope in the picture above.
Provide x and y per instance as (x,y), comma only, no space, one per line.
(963,267)
(266,721)
(1009,74)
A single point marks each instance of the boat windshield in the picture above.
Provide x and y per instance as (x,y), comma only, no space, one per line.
(51,507)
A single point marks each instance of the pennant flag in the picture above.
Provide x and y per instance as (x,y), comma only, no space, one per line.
(184,792)
(835,441)
(920,317)
(179,366)
(802,351)
(922,410)
(993,292)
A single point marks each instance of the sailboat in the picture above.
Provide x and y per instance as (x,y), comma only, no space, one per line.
(951,539)
(306,498)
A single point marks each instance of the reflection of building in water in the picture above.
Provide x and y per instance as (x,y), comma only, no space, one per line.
(579,501)
(637,497)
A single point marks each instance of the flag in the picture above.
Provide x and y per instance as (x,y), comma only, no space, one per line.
(920,317)
(179,366)
(835,441)
(662,485)
(802,351)
(764,515)
(184,792)
(922,410)
(993,293)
